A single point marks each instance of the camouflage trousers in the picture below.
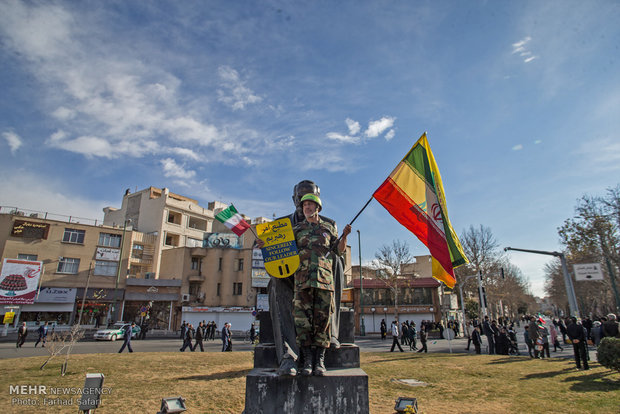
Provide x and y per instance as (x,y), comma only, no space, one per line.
(312,310)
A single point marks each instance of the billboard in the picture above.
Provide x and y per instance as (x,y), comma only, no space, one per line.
(106,253)
(30,230)
(19,281)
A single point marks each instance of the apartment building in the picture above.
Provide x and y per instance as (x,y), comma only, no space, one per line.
(171,219)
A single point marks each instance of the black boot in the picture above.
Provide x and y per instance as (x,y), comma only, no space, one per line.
(319,365)
(306,352)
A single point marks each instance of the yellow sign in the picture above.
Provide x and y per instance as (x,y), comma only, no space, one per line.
(8,317)
(280,251)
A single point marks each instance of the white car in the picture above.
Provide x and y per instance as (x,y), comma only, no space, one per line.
(116,331)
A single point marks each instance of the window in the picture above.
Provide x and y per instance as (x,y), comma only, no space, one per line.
(136,251)
(217,292)
(237,288)
(219,264)
(74,236)
(103,268)
(68,265)
(195,263)
(26,256)
(240,265)
(109,240)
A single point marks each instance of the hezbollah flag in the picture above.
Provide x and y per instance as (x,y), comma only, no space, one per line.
(413,194)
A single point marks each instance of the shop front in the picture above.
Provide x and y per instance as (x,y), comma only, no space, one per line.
(53,305)
(241,319)
(150,302)
(96,308)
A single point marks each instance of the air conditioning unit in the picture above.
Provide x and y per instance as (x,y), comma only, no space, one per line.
(149,275)
(185,297)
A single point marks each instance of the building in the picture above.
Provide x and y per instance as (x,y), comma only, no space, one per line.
(171,219)
(418,295)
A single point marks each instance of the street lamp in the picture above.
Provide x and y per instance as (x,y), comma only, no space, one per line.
(362,327)
(118,271)
(568,282)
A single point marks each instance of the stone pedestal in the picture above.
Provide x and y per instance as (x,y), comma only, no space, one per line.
(343,389)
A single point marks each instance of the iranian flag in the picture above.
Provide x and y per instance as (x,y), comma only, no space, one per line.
(233,220)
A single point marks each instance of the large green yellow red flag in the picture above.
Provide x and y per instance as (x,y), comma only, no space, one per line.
(413,194)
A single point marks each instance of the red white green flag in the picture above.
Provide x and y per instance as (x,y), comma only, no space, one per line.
(413,194)
(233,220)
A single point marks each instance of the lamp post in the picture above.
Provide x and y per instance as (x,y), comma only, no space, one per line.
(118,271)
(568,282)
(362,327)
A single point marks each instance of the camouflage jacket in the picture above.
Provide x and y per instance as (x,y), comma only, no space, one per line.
(313,243)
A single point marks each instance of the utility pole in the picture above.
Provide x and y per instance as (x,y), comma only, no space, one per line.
(362,327)
(568,282)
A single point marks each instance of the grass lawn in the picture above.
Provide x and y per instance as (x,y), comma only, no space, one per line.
(214,382)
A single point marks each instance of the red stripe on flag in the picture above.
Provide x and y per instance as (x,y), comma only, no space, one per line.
(407,213)
(240,228)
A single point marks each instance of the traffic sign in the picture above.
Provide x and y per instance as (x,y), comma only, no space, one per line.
(588,271)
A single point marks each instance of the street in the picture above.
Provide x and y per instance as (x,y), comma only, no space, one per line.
(366,344)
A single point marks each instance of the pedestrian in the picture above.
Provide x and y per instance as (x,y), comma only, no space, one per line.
(412,337)
(395,337)
(577,334)
(183,328)
(563,330)
(502,345)
(423,338)
(252,334)
(22,333)
(200,334)
(544,335)
(404,334)
(610,327)
(597,332)
(468,332)
(144,328)
(226,343)
(490,334)
(127,337)
(42,331)
(528,342)
(213,330)
(554,338)
(532,329)
(189,336)
(383,330)
(476,339)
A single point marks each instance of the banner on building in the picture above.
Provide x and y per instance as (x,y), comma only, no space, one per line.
(225,240)
(260,278)
(19,281)
(106,253)
(30,229)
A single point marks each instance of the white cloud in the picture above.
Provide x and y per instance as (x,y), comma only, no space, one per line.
(376,128)
(172,169)
(521,49)
(342,138)
(236,94)
(517,147)
(186,153)
(538,142)
(354,126)
(391,133)
(13,140)
(26,190)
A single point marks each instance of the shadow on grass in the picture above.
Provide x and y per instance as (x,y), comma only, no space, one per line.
(398,356)
(548,374)
(217,376)
(594,381)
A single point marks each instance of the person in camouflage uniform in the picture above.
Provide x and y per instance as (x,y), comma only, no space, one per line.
(313,302)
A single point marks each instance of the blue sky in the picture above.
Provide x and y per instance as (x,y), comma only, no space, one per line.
(238,101)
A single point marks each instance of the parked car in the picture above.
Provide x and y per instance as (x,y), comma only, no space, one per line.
(116,331)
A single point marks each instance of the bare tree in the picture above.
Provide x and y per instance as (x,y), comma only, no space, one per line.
(389,261)
(58,342)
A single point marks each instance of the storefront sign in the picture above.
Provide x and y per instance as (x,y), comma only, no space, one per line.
(30,230)
(106,253)
(260,278)
(56,295)
(257,254)
(262,302)
(414,309)
(19,281)
(8,317)
(347,295)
